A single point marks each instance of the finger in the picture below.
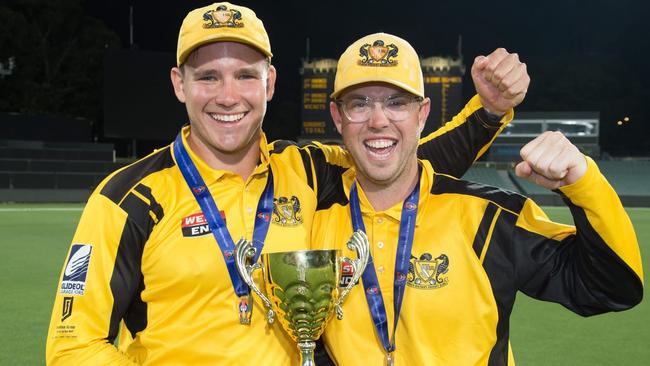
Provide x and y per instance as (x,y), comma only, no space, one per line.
(528,149)
(500,63)
(542,181)
(547,154)
(504,69)
(497,55)
(515,82)
(571,162)
(523,170)
(480,62)
(517,91)
(493,61)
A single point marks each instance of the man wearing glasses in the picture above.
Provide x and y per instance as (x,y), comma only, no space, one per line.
(448,256)
(152,256)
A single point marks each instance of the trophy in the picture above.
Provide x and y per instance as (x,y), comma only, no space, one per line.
(302,287)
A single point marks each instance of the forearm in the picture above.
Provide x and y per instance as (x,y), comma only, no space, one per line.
(591,268)
(456,145)
(608,241)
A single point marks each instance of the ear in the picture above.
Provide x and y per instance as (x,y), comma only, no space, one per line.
(425,108)
(270,82)
(336,116)
(177,81)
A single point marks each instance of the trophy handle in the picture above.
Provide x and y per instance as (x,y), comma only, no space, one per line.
(359,242)
(245,251)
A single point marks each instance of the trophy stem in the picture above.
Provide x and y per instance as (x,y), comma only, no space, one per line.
(307,353)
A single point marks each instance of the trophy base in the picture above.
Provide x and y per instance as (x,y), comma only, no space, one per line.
(307,353)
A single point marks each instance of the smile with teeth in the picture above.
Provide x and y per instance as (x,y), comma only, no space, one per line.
(379,144)
(227,117)
(380,148)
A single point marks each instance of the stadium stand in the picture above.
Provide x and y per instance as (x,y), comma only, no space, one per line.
(490,176)
(628,177)
(39,171)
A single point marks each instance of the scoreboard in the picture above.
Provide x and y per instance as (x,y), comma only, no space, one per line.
(317,85)
(443,84)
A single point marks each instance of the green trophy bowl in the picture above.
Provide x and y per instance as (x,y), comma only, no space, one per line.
(302,288)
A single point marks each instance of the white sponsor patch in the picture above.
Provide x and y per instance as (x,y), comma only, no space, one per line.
(76,269)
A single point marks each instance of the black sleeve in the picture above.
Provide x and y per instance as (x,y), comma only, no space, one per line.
(455,146)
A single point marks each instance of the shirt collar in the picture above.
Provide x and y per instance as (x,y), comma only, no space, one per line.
(210,175)
(395,212)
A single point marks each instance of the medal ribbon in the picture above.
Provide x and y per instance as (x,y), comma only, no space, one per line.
(213,217)
(374,297)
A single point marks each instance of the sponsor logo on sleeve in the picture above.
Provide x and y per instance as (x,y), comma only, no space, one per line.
(76,269)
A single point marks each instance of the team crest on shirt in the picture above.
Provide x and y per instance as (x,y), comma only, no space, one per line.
(427,272)
(286,211)
(222,17)
(378,54)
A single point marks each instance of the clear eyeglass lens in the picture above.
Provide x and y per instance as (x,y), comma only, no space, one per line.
(396,108)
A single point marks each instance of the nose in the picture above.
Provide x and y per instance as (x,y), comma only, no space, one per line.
(227,94)
(378,118)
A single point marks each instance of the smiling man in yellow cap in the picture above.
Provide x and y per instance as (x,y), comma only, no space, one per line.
(448,256)
(154,247)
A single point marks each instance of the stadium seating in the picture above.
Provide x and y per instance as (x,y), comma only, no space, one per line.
(628,177)
(489,176)
(53,171)
(36,171)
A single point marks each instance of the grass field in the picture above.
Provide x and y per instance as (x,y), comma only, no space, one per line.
(35,239)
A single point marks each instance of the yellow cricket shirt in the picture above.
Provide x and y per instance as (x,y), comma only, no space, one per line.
(152,260)
(143,254)
(474,247)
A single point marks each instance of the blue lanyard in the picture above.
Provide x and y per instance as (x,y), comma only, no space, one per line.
(213,217)
(370,283)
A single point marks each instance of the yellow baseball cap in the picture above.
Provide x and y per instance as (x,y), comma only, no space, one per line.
(221,22)
(380,57)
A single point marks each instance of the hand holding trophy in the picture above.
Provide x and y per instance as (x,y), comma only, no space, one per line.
(302,287)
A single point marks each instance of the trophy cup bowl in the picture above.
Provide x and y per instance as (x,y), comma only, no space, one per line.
(302,287)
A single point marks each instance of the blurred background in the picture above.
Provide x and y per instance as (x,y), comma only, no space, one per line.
(84,85)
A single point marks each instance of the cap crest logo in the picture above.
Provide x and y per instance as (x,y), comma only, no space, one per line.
(222,17)
(378,54)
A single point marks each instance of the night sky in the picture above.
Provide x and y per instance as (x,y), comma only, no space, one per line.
(581,55)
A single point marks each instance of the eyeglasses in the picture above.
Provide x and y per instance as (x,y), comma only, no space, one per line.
(396,108)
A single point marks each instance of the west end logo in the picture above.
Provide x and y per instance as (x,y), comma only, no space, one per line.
(378,54)
(222,17)
(427,273)
(196,224)
(286,211)
(76,269)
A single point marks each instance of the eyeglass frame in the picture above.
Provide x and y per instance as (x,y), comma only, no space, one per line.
(413,100)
